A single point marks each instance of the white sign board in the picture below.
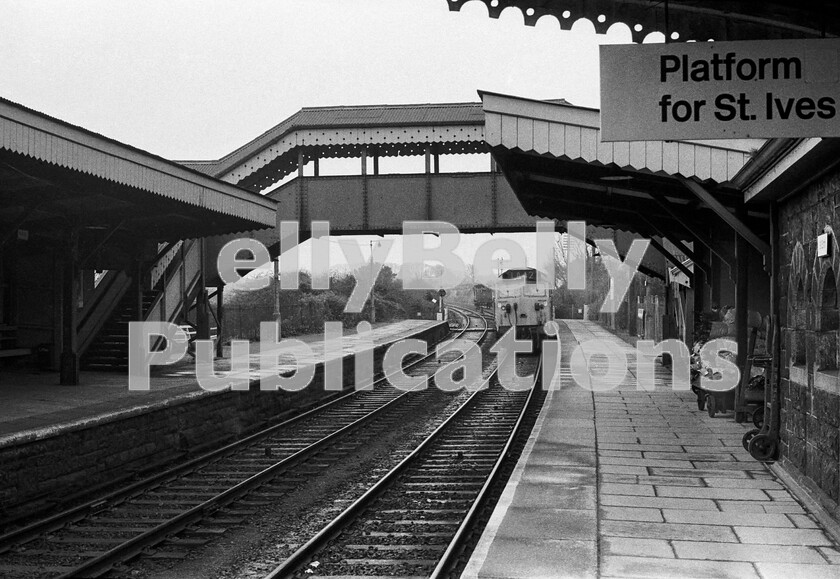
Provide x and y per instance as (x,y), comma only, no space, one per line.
(823,246)
(720,90)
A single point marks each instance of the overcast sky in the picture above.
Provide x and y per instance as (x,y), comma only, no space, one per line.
(197,79)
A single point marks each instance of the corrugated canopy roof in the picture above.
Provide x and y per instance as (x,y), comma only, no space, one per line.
(45,160)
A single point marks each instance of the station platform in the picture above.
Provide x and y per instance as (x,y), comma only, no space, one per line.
(56,440)
(35,404)
(634,483)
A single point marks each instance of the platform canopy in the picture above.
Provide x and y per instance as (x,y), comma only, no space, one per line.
(54,175)
(558,167)
(690,19)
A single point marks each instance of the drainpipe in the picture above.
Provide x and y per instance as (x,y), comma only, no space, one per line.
(775,317)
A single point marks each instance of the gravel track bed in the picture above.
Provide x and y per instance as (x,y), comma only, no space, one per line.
(280,527)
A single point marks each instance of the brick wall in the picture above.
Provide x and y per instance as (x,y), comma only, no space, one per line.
(809,379)
(74,460)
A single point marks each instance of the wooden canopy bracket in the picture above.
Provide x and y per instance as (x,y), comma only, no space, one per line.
(691,254)
(670,257)
(736,224)
(701,238)
(101,244)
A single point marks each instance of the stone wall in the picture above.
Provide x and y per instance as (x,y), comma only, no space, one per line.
(79,459)
(810,388)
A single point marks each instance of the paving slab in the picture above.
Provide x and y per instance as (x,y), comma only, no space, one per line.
(660,568)
(630,546)
(632,514)
(795,571)
(669,531)
(626,483)
(774,536)
(542,523)
(728,519)
(739,552)
(519,559)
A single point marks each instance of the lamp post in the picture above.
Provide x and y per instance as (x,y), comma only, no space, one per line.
(276,285)
(372,289)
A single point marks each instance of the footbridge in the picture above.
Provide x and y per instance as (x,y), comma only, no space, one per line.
(285,164)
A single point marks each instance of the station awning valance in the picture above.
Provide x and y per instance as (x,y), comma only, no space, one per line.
(683,19)
(53,173)
(558,167)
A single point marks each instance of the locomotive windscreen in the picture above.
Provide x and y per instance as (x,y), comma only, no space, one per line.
(530,274)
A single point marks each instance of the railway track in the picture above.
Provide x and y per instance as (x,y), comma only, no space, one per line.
(188,505)
(415,521)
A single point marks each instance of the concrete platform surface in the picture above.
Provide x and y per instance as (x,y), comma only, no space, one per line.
(639,483)
(35,405)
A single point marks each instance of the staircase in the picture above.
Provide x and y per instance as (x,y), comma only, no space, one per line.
(109,350)
(176,279)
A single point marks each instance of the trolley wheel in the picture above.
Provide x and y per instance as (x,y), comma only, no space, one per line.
(762,447)
(758,417)
(748,436)
(711,405)
(740,417)
(701,402)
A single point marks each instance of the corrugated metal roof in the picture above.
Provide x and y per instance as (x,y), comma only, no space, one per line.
(39,136)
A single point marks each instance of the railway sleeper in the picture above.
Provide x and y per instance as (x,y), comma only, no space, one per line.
(186,541)
(390,562)
(430,548)
(152,521)
(19,570)
(459,484)
(227,521)
(95,530)
(432,477)
(417,501)
(410,522)
(429,510)
(426,516)
(202,530)
(167,555)
(85,540)
(366,576)
(427,534)
(54,553)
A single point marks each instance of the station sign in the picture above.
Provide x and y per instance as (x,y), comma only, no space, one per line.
(720,90)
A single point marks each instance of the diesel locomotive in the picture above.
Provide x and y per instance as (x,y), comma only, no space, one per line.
(525,307)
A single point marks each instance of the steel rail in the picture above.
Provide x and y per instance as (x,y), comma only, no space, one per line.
(178,523)
(137,544)
(334,528)
(453,550)
(59,520)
